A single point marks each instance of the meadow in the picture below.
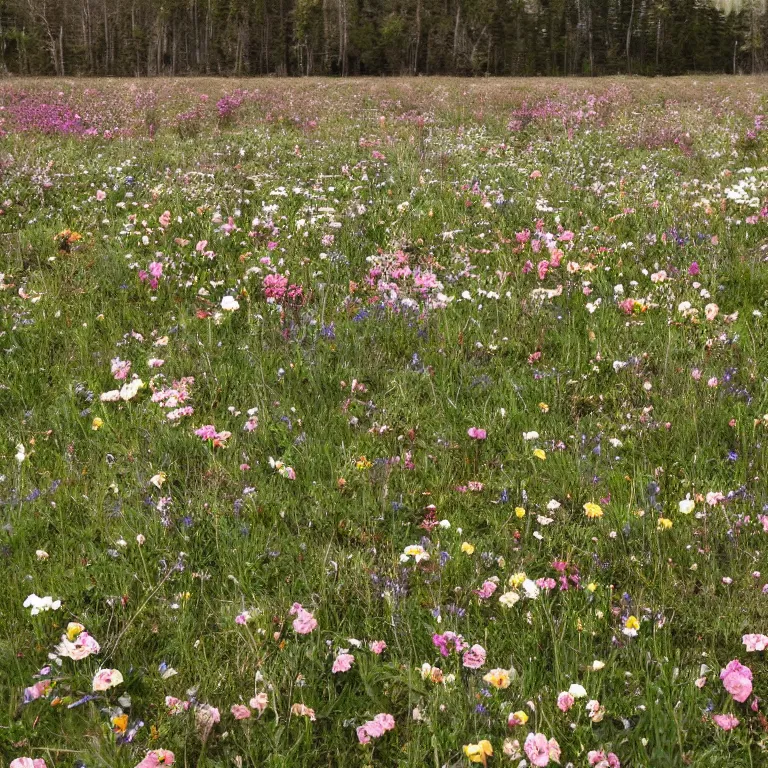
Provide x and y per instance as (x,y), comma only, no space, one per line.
(383,423)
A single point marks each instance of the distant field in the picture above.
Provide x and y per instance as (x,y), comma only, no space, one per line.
(384,422)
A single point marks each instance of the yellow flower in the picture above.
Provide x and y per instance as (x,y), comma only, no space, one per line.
(663,524)
(480,752)
(631,623)
(519,512)
(543,407)
(516,579)
(498,678)
(97,423)
(363,463)
(539,454)
(467,548)
(120,723)
(73,630)
(517,718)
(158,479)
(593,510)
(591,587)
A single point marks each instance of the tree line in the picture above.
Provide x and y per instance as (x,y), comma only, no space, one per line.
(381,37)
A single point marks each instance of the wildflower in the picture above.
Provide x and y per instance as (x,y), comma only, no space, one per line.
(476,433)
(599,759)
(343,663)
(663,524)
(34,692)
(593,510)
(156,757)
(508,599)
(687,505)
(378,647)
(158,479)
(304,622)
(519,512)
(516,579)
(300,710)
(540,750)
(104,679)
(595,711)
(755,642)
(39,604)
(737,680)
(631,625)
(474,657)
(488,588)
(415,551)
(240,712)
(539,454)
(97,424)
(517,718)
(577,691)
(565,701)
(230,304)
(544,407)
(726,722)
(28,762)
(373,729)
(21,453)
(480,752)
(498,678)
(467,548)
(259,702)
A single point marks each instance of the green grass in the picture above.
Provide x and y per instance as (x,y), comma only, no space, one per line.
(642,186)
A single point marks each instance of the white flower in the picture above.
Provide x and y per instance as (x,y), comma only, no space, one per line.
(686,506)
(508,599)
(597,665)
(553,504)
(130,390)
(530,435)
(530,589)
(38,604)
(230,303)
(577,691)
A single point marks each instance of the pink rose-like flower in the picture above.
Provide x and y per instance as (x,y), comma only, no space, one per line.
(362,735)
(726,722)
(240,712)
(737,680)
(755,642)
(28,762)
(486,590)
(564,701)
(599,759)
(259,702)
(157,757)
(474,658)
(476,433)
(343,663)
(378,647)
(165,219)
(537,748)
(304,622)
(101,195)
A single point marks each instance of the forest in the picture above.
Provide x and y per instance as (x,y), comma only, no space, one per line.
(381,37)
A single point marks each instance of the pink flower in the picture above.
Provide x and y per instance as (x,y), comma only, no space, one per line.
(157,757)
(343,663)
(176,706)
(474,658)
(27,762)
(242,618)
(260,702)
(564,701)
(302,710)
(101,195)
(165,219)
(599,759)
(378,647)
(537,748)
(375,728)
(386,721)
(755,642)
(156,269)
(304,622)
(240,711)
(206,717)
(486,590)
(476,433)
(726,722)
(34,692)
(120,368)
(105,679)
(554,750)
(362,735)
(542,269)
(737,680)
